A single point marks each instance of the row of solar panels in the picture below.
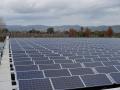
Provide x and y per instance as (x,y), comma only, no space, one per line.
(44,65)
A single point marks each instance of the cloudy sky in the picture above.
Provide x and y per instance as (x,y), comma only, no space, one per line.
(60,12)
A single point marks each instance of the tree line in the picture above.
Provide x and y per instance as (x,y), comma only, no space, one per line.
(87,32)
(83,32)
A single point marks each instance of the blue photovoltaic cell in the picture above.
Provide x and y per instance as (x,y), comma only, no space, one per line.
(111,63)
(35,84)
(81,71)
(52,54)
(67,82)
(56,57)
(93,64)
(56,73)
(83,60)
(100,59)
(114,59)
(116,77)
(89,56)
(30,75)
(71,65)
(96,80)
(24,63)
(65,63)
(17,56)
(22,59)
(107,69)
(26,68)
(39,58)
(75,57)
(49,66)
(118,67)
(44,62)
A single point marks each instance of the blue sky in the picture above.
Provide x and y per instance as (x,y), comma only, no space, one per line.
(61,12)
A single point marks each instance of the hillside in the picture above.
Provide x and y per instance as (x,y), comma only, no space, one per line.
(116,28)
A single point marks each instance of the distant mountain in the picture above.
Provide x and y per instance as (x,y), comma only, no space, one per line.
(26,28)
(116,28)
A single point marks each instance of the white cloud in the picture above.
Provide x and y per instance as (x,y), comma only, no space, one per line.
(85,12)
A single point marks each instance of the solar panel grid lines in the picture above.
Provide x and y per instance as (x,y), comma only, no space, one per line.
(106,69)
(39,58)
(93,64)
(24,63)
(29,75)
(111,63)
(81,71)
(71,65)
(102,63)
(52,84)
(56,73)
(95,71)
(115,77)
(82,81)
(26,68)
(45,62)
(116,67)
(114,59)
(35,84)
(49,66)
(110,78)
(68,82)
(96,80)
(84,60)
(65,63)
(101,59)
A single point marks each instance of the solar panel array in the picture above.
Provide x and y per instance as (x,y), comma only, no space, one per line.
(65,63)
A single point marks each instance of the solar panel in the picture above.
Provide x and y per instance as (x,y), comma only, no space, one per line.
(30,75)
(69,54)
(26,68)
(20,55)
(100,59)
(24,63)
(65,63)
(90,56)
(56,73)
(81,71)
(118,67)
(73,82)
(36,55)
(52,54)
(49,66)
(39,58)
(35,84)
(96,80)
(114,58)
(44,62)
(24,56)
(93,64)
(106,69)
(75,57)
(116,77)
(22,59)
(111,63)
(83,60)
(57,57)
(71,65)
